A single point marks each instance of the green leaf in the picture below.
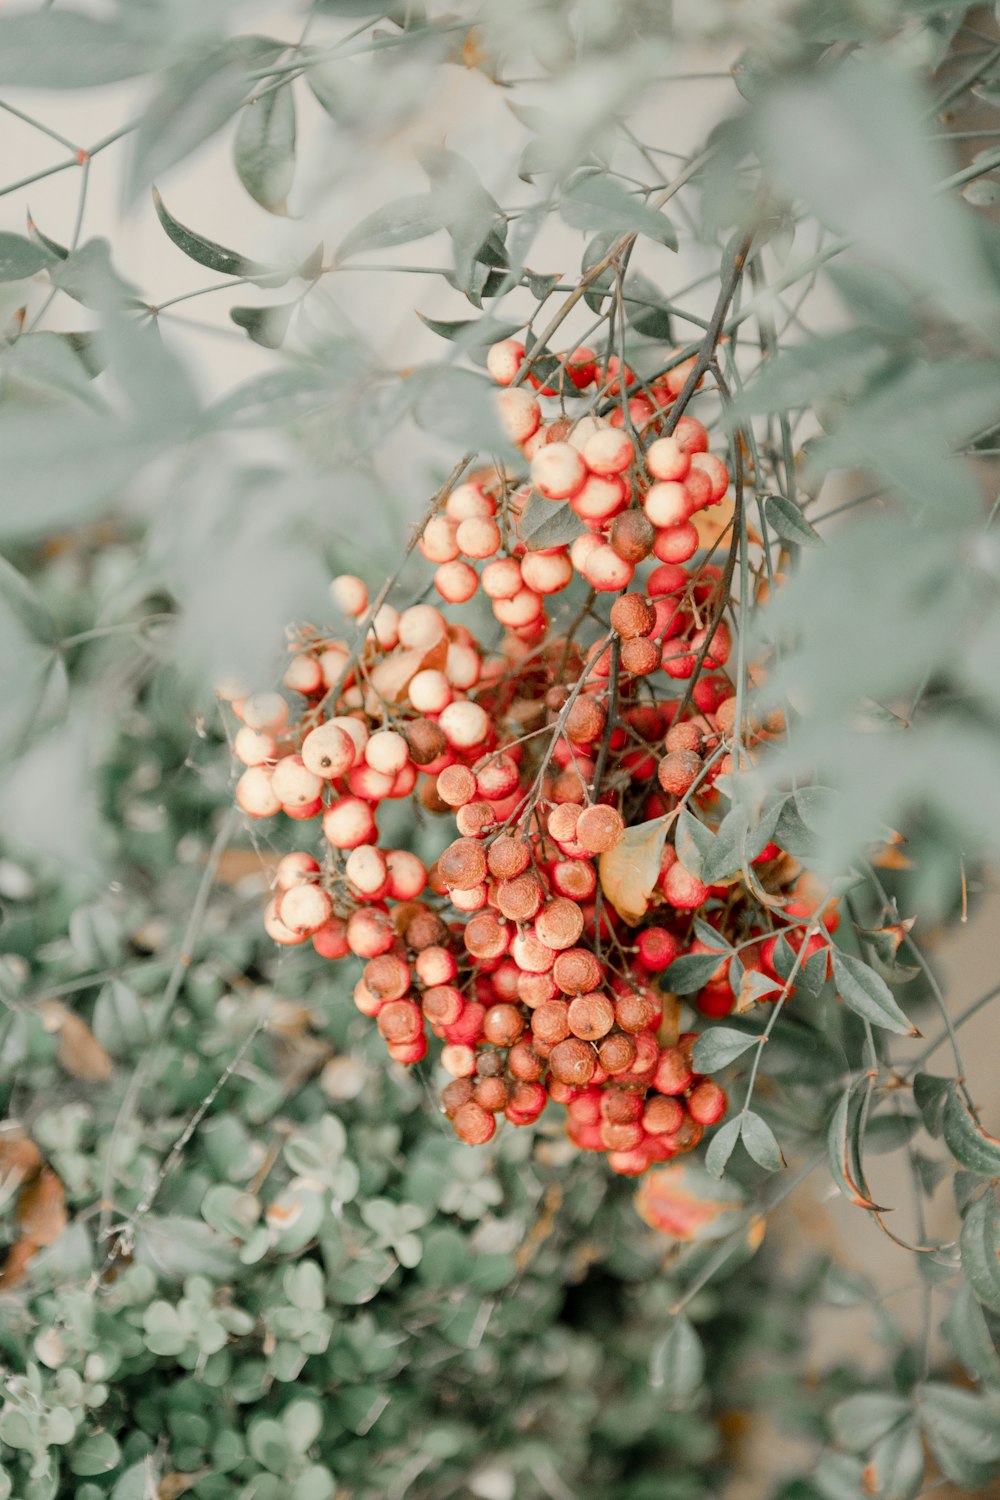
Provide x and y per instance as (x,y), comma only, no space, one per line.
(843,1142)
(981,192)
(861,1420)
(66,49)
(206,252)
(595,201)
(722,1145)
(875,298)
(969,1336)
(719,1046)
(397,223)
(88,275)
(677,1365)
(646,308)
(97,1453)
(980,1248)
(177,1247)
(594,252)
(693,841)
(542,524)
(759,1139)
(966,1140)
(23,602)
(785,517)
(866,993)
(931,1093)
(264,325)
(896,1463)
(264,148)
(269,1444)
(689,972)
(471,333)
(303,1422)
(19,257)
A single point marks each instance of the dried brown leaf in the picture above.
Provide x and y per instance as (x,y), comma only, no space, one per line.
(80,1053)
(41,1209)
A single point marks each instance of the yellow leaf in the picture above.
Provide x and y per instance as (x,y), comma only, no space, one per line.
(630,870)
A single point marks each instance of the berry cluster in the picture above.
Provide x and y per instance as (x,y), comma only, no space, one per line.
(515,947)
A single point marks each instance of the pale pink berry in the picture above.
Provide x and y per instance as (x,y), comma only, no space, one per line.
(502,579)
(254,746)
(333,663)
(546,572)
(267,711)
(675,544)
(462,666)
(468,501)
(304,908)
(435,966)
(609,451)
(385,626)
(464,724)
(472,898)
(519,412)
(667,503)
(295,869)
(582,431)
(715,469)
(407,875)
(328,751)
(600,498)
(439,543)
(525,607)
(364,781)
(355,729)
(421,627)
(667,460)
(255,794)
(456,582)
(581,549)
(303,675)
(231,690)
(430,691)
(605,571)
(348,823)
(504,360)
(349,594)
(458,1060)
(387,751)
(294,784)
(278,932)
(366,869)
(478,537)
(558,471)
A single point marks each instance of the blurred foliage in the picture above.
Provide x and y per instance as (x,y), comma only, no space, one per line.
(243,1259)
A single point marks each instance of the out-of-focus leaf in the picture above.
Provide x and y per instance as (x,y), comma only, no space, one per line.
(176,1248)
(859,1421)
(683,1201)
(645,308)
(398,223)
(595,201)
(969,1336)
(19,257)
(875,297)
(839,365)
(264,148)
(63,49)
(784,517)
(980,1248)
(80,1053)
(264,325)
(89,277)
(677,1364)
(963,1430)
(721,1146)
(896,1463)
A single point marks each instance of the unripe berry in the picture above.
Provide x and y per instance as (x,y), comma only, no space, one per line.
(678,660)
(387,751)
(295,869)
(581,367)
(330,940)
(469,898)
(464,724)
(631,616)
(497,778)
(254,747)
(682,889)
(294,783)
(468,500)
(348,823)
(369,932)
(599,828)
(349,594)
(608,451)
(558,471)
(456,582)
(582,547)
(675,544)
(255,793)
(303,675)
(678,771)
(707,1102)
(504,359)
(523,609)
(436,966)
(691,436)
(385,626)
(721,645)
(519,413)
(328,751)
(304,908)
(657,948)
(267,711)
(439,542)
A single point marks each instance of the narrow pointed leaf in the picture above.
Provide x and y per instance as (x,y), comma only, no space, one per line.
(761,1143)
(264,148)
(966,1140)
(397,223)
(264,325)
(720,1046)
(866,993)
(197,247)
